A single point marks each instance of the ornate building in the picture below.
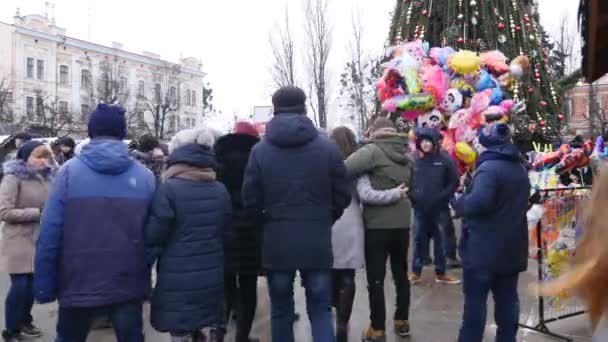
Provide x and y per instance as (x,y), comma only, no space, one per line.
(51,82)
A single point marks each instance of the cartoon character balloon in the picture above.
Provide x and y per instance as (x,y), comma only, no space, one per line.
(452,101)
(432,119)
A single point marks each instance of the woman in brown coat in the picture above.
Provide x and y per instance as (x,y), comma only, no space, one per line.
(23,191)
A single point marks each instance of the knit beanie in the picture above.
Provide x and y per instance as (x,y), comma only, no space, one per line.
(245,128)
(108,121)
(289,100)
(495,135)
(26,149)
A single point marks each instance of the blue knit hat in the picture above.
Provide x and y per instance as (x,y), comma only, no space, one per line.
(499,134)
(108,121)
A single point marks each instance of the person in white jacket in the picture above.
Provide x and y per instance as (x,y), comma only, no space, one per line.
(348,235)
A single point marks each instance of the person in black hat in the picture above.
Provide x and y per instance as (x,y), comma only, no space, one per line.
(295,183)
(65,151)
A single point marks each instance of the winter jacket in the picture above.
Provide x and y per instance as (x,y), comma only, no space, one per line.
(601,331)
(495,231)
(22,195)
(348,233)
(386,162)
(91,247)
(296,182)
(189,214)
(436,177)
(243,239)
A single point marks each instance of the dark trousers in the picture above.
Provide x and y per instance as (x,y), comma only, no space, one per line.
(19,302)
(318,304)
(74,324)
(477,286)
(427,226)
(380,245)
(241,296)
(449,238)
(342,279)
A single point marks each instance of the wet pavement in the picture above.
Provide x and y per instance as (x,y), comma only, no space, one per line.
(435,314)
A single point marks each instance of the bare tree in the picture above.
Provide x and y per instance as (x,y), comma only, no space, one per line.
(567,44)
(112,85)
(8,124)
(597,112)
(357,91)
(283,53)
(319,43)
(49,116)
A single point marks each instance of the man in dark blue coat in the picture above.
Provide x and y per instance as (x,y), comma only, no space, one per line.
(436,180)
(296,183)
(90,255)
(494,247)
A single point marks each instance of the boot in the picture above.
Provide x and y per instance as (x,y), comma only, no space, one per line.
(344,310)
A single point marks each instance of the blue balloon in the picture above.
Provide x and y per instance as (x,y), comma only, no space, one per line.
(485,81)
(497,96)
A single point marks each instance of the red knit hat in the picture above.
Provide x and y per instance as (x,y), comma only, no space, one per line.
(245,128)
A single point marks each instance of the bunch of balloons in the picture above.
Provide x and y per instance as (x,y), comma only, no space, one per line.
(565,158)
(445,88)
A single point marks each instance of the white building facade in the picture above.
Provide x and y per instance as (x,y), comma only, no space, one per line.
(55,81)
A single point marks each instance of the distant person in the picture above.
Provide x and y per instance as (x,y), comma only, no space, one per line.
(244,237)
(23,192)
(90,255)
(19,139)
(384,159)
(494,246)
(189,216)
(66,146)
(296,183)
(150,154)
(436,182)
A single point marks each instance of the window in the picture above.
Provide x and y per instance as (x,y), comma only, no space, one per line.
(193,122)
(187,122)
(157,95)
(39,107)
(40,70)
(29,106)
(124,83)
(141,89)
(64,75)
(84,112)
(85,79)
(63,107)
(173,94)
(193,98)
(188,97)
(30,68)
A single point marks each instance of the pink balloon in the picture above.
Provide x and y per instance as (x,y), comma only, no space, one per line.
(410,115)
(390,106)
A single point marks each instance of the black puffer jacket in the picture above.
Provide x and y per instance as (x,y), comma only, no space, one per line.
(189,214)
(243,239)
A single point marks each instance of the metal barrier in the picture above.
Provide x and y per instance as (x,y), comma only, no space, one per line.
(555,242)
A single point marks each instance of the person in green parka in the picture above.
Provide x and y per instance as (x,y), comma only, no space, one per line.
(385,160)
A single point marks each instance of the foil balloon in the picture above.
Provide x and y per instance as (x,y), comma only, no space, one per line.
(410,115)
(432,119)
(465,153)
(416,103)
(464,62)
(459,119)
(495,61)
(434,81)
(452,101)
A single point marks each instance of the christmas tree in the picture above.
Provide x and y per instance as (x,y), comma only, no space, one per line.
(511,26)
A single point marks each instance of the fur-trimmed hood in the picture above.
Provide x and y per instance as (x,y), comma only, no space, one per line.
(21,170)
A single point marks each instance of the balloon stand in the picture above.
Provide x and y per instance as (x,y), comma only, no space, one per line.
(553,241)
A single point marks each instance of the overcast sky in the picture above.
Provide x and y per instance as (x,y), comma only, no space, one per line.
(230,37)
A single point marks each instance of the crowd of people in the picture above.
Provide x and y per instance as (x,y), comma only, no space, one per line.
(213,213)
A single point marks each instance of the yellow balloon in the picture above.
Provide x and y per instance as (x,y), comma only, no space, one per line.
(465,153)
(465,62)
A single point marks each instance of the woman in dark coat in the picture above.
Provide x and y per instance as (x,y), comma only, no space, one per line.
(190,212)
(243,239)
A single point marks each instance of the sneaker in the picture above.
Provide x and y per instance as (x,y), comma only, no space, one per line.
(415,278)
(371,335)
(402,328)
(454,263)
(29,330)
(447,279)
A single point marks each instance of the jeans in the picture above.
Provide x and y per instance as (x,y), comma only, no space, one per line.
(425,227)
(477,285)
(318,302)
(19,302)
(74,324)
(241,296)
(449,238)
(381,244)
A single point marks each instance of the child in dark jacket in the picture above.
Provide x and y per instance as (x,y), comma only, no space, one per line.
(190,213)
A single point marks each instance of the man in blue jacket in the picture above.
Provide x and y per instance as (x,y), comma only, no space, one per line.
(494,247)
(296,183)
(90,255)
(436,180)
